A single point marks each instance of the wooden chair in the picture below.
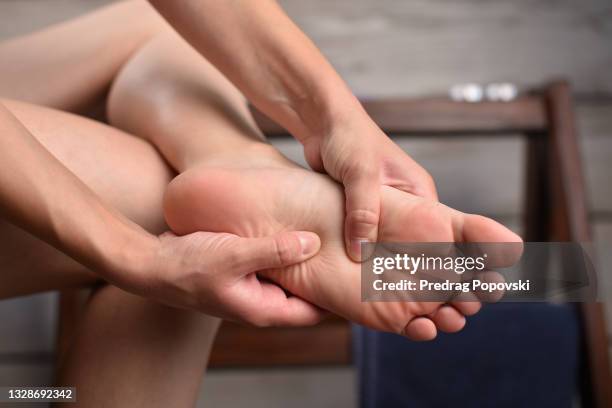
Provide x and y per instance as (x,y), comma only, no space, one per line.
(555,210)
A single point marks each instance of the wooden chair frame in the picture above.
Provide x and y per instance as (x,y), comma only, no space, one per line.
(555,210)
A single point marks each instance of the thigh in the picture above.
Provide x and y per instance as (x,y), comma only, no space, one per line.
(124,171)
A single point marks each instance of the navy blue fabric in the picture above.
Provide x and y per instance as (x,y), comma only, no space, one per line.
(508,355)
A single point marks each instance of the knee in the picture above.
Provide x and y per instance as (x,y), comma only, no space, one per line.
(111,304)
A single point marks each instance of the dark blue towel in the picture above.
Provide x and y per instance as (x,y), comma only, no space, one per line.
(508,355)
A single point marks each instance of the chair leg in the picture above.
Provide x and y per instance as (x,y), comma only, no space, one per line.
(537,198)
(536,191)
(569,222)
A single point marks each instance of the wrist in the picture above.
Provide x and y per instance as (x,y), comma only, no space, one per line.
(330,108)
(131,258)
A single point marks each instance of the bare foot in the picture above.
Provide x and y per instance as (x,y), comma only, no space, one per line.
(269,194)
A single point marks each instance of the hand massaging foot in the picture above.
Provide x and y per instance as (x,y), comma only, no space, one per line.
(268,195)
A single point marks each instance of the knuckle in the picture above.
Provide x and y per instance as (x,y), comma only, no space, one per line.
(424,185)
(364,216)
(284,249)
(370,171)
(236,257)
(428,179)
(362,172)
(430,182)
(361,222)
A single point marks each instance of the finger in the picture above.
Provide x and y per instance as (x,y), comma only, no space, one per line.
(276,308)
(362,212)
(448,319)
(312,153)
(423,183)
(278,251)
(420,329)
(425,186)
(411,177)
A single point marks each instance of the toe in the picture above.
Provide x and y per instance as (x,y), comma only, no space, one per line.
(476,228)
(503,247)
(420,329)
(448,319)
(467,308)
(467,303)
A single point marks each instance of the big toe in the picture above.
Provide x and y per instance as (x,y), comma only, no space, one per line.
(504,247)
(477,228)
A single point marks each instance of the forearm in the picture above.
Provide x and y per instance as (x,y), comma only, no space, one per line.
(44,198)
(268,58)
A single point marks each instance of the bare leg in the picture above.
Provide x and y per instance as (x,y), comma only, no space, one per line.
(69,66)
(160,352)
(124,171)
(171,96)
(234,182)
(130,352)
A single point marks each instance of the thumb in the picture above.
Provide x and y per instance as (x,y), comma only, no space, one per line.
(278,251)
(362,213)
(312,153)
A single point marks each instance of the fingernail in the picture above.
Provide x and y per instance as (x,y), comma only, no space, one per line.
(310,243)
(356,244)
(362,249)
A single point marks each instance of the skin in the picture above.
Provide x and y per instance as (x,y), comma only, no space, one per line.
(75,76)
(123,163)
(250,40)
(105,171)
(131,352)
(201,123)
(115,330)
(282,196)
(33,194)
(124,190)
(116,323)
(108,243)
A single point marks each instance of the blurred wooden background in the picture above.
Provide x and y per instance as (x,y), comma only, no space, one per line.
(396,48)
